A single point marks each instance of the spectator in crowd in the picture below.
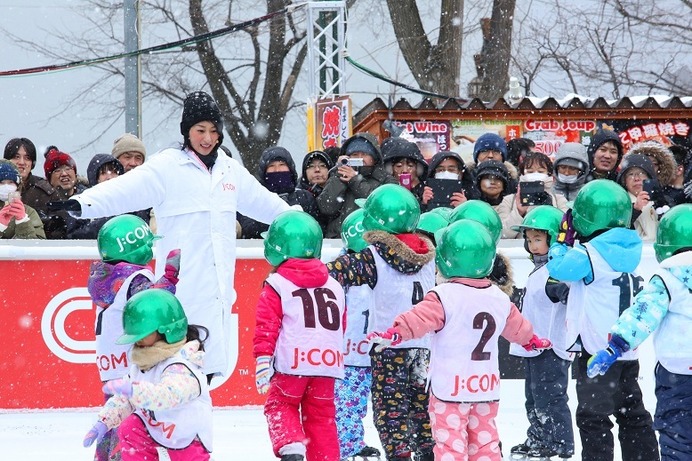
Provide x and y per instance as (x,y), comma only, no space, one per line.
(17,220)
(346,183)
(517,148)
(664,167)
(492,181)
(448,165)
(333,154)
(277,172)
(196,194)
(401,157)
(534,166)
(490,146)
(129,150)
(36,191)
(605,152)
(634,170)
(61,172)
(314,174)
(102,167)
(131,153)
(674,192)
(571,166)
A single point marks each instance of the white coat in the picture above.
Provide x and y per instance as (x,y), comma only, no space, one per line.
(195,211)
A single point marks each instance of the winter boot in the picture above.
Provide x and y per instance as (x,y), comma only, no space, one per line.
(369,452)
(292,458)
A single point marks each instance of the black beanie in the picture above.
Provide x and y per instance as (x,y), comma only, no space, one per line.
(200,107)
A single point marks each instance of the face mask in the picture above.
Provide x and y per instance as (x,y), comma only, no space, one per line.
(280,182)
(567,179)
(534,177)
(5,190)
(446,175)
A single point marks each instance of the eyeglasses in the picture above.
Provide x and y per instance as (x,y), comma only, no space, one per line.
(637,174)
(62,169)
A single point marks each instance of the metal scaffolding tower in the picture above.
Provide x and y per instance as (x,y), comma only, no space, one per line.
(326,42)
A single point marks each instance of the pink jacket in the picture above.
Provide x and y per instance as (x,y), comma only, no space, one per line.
(428,315)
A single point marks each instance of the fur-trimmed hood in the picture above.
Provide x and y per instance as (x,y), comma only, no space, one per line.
(399,255)
(664,157)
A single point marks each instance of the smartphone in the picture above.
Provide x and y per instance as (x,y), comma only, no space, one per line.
(405,180)
(533,193)
(651,188)
(12,196)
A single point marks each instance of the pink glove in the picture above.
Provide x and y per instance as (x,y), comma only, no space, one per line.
(537,344)
(173,266)
(121,387)
(5,215)
(383,339)
(17,210)
(96,433)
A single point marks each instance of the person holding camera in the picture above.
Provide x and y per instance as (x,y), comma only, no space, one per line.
(17,220)
(535,188)
(403,160)
(450,183)
(635,170)
(357,173)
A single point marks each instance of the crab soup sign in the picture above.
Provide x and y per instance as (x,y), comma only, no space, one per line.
(549,135)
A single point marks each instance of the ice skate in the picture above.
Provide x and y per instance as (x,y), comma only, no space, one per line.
(541,454)
(366,454)
(518,452)
(292,457)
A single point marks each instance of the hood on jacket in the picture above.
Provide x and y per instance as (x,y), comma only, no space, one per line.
(572,154)
(663,156)
(680,265)
(620,247)
(502,274)
(303,183)
(360,141)
(445,154)
(601,137)
(396,148)
(630,161)
(271,154)
(97,162)
(306,273)
(398,254)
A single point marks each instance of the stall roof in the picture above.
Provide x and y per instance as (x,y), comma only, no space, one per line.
(571,105)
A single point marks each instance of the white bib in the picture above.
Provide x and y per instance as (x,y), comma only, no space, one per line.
(671,339)
(359,300)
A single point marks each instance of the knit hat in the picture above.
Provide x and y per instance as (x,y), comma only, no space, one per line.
(128,143)
(55,159)
(572,154)
(492,168)
(630,161)
(9,171)
(489,141)
(200,107)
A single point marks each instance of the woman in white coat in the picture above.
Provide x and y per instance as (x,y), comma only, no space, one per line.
(195,194)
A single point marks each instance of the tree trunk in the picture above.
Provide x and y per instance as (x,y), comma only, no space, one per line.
(436,67)
(493,62)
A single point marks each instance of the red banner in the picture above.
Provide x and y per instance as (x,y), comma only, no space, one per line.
(48,336)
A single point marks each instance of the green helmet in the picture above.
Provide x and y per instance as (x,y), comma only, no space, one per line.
(153,310)
(443,211)
(352,231)
(465,248)
(544,217)
(430,222)
(390,208)
(601,204)
(674,231)
(293,234)
(482,212)
(126,238)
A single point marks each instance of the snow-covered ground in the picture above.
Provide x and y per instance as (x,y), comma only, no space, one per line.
(239,433)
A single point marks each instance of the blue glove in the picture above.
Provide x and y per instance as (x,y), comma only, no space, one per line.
(122,387)
(96,433)
(262,373)
(599,363)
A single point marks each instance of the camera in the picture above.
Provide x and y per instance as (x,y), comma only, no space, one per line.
(352,162)
(533,193)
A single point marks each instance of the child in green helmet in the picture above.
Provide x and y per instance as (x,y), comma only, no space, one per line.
(664,308)
(550,430)
(465,315)
(163,403)
(125,246)
(600,267)
(299,335)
